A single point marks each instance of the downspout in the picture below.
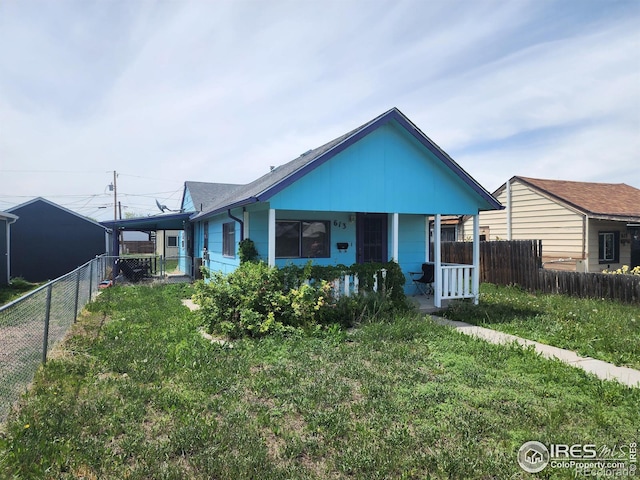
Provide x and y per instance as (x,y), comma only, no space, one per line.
(241,222)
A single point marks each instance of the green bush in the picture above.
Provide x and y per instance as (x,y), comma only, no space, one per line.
(247,251)
(248,301)
(256,299)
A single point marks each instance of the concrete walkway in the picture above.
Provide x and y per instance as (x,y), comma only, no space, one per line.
(603,370)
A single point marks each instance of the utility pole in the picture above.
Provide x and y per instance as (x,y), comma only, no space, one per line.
(115,197)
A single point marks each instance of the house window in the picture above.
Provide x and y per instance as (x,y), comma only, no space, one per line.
(302,239)
(608,247)
(205,241)
(448,234)
(229,239)
(172,241)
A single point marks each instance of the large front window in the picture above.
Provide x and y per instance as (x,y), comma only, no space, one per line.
(302,239)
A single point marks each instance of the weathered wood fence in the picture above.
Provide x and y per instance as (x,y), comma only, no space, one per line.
(502,263)
(519,262)
(623,288)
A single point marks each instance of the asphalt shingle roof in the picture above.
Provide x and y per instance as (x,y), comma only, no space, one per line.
(204,194)
(596,199)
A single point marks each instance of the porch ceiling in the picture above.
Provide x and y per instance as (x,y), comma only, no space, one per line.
(174,221)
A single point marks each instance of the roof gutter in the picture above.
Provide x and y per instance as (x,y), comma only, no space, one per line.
(242,203)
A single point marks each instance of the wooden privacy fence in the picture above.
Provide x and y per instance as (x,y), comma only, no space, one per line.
(519,262)
(623,288)
(502,263)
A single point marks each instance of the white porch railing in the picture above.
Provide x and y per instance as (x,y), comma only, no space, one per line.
(456,281)
(349,284)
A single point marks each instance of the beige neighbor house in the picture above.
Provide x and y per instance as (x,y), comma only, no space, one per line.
(167,243)
(583,226)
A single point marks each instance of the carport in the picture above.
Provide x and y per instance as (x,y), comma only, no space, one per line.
(155,223)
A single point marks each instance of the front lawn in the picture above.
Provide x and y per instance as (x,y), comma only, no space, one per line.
(601,329)
(138,393)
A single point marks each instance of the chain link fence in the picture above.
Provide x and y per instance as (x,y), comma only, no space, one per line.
(32,325)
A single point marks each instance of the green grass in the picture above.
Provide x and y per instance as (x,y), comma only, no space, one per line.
(601,329)
(16,288)
(137,393)
(171,265)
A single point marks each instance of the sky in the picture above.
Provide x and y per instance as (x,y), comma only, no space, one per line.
(162,92)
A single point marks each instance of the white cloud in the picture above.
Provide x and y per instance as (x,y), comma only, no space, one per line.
(218,91)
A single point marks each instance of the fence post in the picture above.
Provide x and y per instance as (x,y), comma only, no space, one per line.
(46,324)
(75,305)
(91,279)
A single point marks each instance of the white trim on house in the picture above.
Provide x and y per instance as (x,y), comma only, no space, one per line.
(272,238)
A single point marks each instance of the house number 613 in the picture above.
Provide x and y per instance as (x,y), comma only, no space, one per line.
(339,224)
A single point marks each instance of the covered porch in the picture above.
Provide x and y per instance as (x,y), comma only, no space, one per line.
(401,244)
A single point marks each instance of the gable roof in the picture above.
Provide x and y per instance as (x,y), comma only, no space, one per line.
(48,202)
(615,201)
(204,195)
(263,188)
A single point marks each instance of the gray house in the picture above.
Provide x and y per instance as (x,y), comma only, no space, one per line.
(50,241)
(6,219)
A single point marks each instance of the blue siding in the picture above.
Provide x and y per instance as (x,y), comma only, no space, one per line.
(187,202)
(217,261)
(412,246)
(386,171)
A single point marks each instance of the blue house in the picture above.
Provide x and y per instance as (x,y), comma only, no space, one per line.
(370,195)
(6,219)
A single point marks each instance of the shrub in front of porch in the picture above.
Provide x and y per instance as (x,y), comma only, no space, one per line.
(256,299)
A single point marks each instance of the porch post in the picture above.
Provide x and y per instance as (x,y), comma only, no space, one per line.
(245,224)
(395,219)
(427,243)
(272,238)
(437,279)
(475,278)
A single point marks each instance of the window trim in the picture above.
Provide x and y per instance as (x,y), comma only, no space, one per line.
(229,246)
(169,243)
(602,240)
(301,222)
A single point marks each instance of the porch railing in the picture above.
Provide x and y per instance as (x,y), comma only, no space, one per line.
(456,281)
(349,284)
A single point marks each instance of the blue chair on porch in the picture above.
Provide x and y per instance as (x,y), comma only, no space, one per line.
(423,280)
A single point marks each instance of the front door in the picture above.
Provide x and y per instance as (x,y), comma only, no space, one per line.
(371,237)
